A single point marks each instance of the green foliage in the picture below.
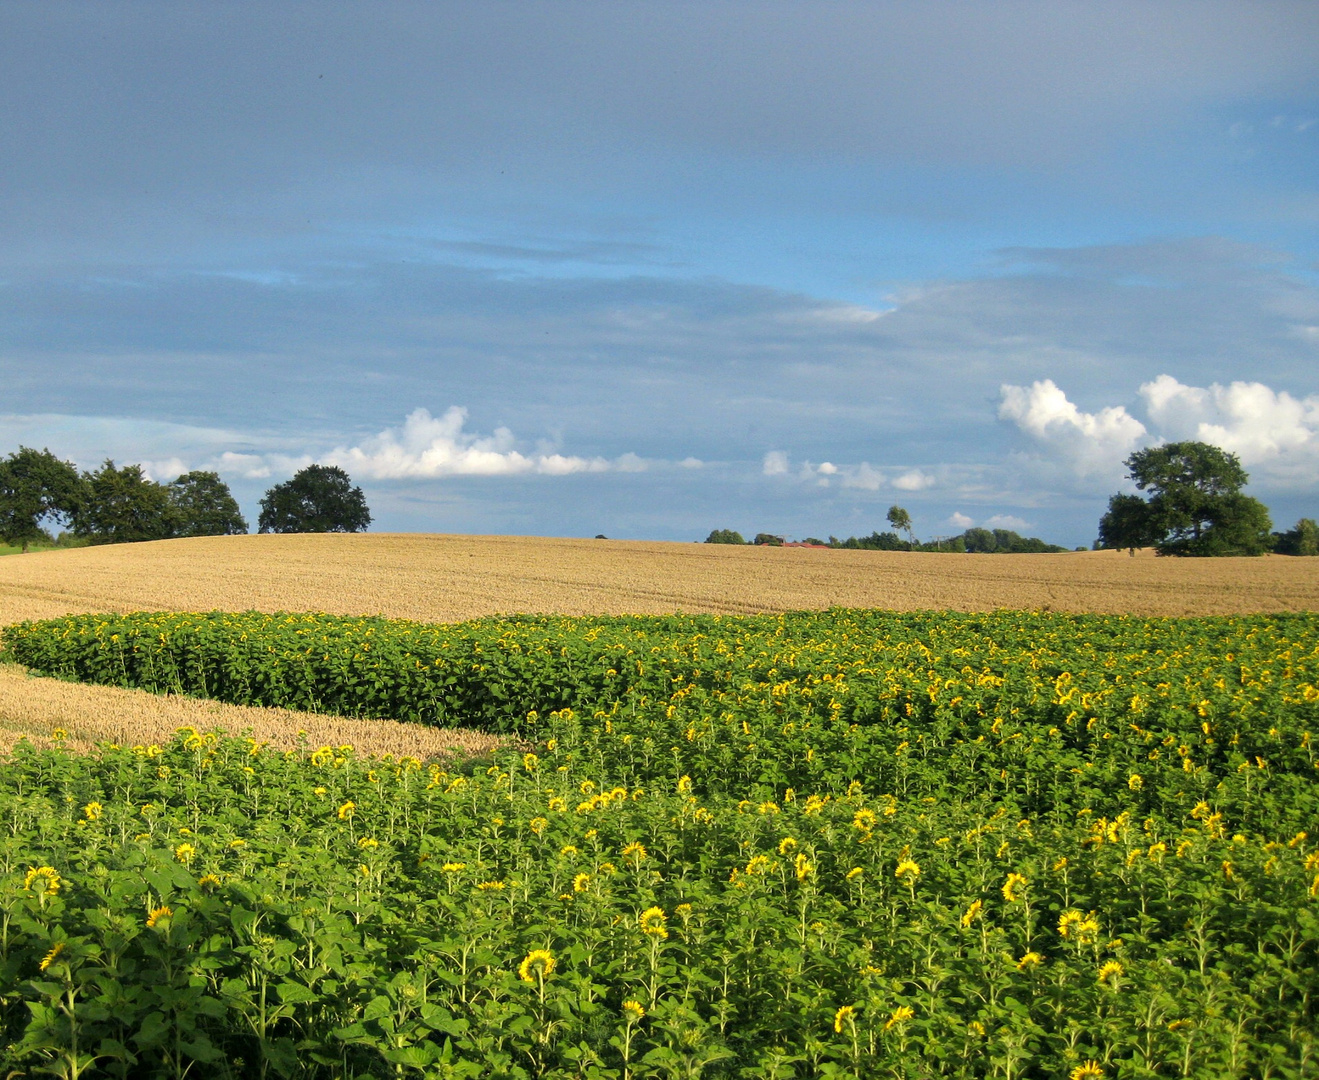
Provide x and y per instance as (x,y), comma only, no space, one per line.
(1003,542)
(1301,539)
(900,520)
(35,487)
(876,541)
(319,498)
(120,505)
(864,844)
(1195,505)
(202,505)
(1129,524)
(768,540)
(724,536)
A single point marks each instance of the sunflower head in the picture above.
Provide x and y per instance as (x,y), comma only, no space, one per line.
(653,923)
(537,964)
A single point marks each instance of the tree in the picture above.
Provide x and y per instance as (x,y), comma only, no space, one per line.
(319,499)
(725,536)
(1301,539)
(1128,524)
(120,505)
(901,521)
(203,506)
(1194,504)
(35,486)
(767,540)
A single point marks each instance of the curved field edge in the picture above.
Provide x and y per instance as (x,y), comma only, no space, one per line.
(79,716)
(836,670)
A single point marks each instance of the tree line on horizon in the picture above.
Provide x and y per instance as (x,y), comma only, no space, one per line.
(121,504)
(977,541)
(1193,506)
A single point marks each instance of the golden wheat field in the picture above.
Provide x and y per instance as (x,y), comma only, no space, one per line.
(449,578)
(34,708)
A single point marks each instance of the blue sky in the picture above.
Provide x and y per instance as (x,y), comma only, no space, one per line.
(653,269)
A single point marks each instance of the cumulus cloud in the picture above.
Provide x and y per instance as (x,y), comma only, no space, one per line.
(1247,418)
(1006,521)
(1088,443)
(1274,433)
(865,477)
(427,447)
(776,463)
(959,520)
(914,480)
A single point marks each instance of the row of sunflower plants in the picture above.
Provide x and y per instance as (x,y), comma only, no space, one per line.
(1067,856)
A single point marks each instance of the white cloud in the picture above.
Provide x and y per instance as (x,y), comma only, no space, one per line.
(1006,521)
(1088,443)
(864,477)
(163,472)
(960,521)
(914,480)
(427,447)
(1275,434)
(861,477)
(691,463)
(1248,419)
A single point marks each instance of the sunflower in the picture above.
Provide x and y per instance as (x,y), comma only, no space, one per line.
(633,1011)
(844,1015)
(45,877)
(1012,887)
(972,913)
(537,964)
(908,870)
(581,882)
(156,914)
(1089,1071)
(1030,961)
(652,922)
(49,958)
(900,1016)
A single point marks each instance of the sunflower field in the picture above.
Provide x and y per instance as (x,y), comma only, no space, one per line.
(827,844)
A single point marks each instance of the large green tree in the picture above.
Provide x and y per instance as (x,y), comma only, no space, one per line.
(1193,504)
(320,498)
(202,505)
(1128,524)
(121,505)
(35,486)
